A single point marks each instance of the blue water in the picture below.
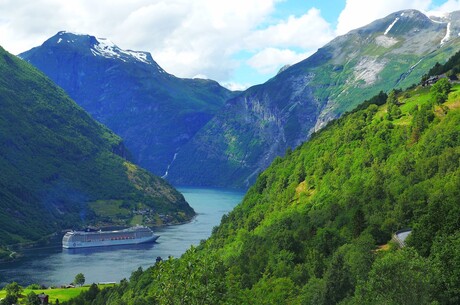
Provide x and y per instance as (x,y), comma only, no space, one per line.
(55,266)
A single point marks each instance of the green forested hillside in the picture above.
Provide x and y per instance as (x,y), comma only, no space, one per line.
(57,164)
(316,227)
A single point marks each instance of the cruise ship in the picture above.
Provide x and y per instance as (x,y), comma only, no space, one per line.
(133,235)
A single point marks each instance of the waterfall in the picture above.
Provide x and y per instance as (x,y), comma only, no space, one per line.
(167,169)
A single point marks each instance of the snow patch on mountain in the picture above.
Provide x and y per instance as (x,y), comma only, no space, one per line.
(140,56)
(105,47)
(447,37)
(71,33)
(436,21)
(391,26)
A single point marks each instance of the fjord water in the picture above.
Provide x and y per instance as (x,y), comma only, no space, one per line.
(56,266)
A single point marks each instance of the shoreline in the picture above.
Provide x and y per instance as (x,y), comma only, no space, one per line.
(15,249)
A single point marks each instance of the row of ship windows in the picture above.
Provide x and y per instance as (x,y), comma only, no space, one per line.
(114,238)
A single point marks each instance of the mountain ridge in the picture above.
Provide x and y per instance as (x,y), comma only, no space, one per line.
(265,120)
(154,112)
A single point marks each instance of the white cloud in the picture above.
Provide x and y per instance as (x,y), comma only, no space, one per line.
(448,6)
(274,46)
(185,37)
(201,76)
(235,86)
(358,13)
(270,60)
(309,31)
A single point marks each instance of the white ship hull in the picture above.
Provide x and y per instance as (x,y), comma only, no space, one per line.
(131,236)
(109,243)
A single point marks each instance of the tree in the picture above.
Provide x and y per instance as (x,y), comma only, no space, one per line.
(32,299)
(392,98)
(79,279)
(393,111)
(441,90)
(92,292)
(401,277)
(14,289)
(446,257)
(358,222)
(9,300)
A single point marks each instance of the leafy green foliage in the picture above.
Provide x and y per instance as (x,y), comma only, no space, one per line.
(79,279)
(401,277)
(393,111)
(316,226)
(440,90)
(9,300)
(452,65)
(56,159)
(33,299)
(13,292)
(14,289)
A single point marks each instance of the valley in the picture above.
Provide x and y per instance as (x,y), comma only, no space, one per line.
(58,164)
(205,135)
(288,192)
(316,226)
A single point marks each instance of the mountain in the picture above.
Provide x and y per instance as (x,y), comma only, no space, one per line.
(154,112)
(317,225)
(265,120)
(61,169)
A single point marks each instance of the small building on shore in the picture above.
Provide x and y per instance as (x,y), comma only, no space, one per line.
(44,298)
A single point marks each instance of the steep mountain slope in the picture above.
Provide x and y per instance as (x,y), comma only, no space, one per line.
(314,227)
(153,111)
(260,124)
(61,169)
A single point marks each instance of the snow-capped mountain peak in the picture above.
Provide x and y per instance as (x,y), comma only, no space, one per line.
(107,48)
(101,47)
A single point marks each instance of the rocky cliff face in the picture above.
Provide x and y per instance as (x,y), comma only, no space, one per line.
(154,112)
(260,124)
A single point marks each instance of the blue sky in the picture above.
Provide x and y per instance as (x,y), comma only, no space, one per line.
(238,43)
(330,11)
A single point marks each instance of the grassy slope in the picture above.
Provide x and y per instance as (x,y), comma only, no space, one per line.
(63,294)
(56,159)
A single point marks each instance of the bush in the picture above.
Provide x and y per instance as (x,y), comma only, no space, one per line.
(440,90)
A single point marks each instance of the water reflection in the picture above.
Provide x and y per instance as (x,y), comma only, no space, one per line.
(94,250)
